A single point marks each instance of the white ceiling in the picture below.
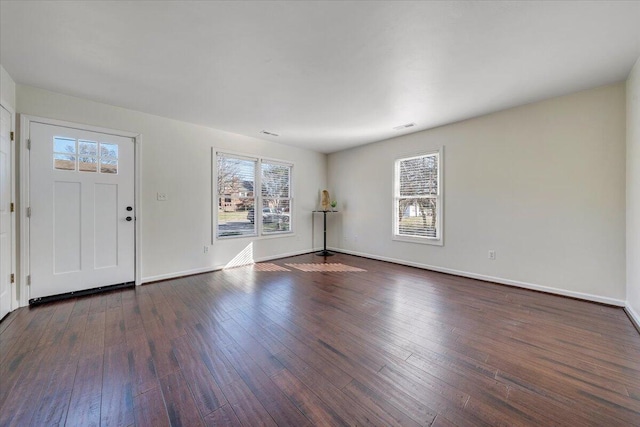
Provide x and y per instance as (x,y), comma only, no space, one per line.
(323,75)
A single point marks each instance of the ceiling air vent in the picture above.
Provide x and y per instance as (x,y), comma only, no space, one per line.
(408,125)
(269,133)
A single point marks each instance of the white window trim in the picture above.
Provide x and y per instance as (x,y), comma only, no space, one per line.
(259,234)
(290,198)
(439,241)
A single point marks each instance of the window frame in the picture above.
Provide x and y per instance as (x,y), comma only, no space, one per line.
(259,232)
(262,161)
(439,197)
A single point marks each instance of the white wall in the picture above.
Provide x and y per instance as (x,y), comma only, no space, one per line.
(543,185)
(176,159)
(633,192)
(7,89)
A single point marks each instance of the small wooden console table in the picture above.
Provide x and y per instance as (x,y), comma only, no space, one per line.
(325,252)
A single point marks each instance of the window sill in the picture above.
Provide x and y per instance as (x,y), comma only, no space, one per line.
(259,237)
(419,240)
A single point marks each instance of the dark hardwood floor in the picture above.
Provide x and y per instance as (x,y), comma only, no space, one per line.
(391,345)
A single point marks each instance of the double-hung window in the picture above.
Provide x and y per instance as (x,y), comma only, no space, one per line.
(275,181)
(417,202)
(253,196)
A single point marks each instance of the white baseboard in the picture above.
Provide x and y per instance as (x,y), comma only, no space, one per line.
(500,280)
(635,318)
(174,275)
(167,276)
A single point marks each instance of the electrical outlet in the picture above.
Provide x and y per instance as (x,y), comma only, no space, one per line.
(492,255)
(206,249)
(162,197)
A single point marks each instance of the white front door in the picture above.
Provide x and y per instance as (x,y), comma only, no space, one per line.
(82,224)
(5,212)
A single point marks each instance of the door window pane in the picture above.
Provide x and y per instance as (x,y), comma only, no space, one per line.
(87,164)
(64,145)
(108,166)
(64,151)
(109,150)
(108,158)
(65,162)
(88,148)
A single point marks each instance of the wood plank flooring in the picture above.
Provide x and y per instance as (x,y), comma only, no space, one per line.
(388,346)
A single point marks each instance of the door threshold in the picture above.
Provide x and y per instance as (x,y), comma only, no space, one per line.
(84,292)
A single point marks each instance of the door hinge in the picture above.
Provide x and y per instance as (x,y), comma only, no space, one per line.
(13,278)
(11,135)
(29,144)
(29,280)
(12,208)
(28,212)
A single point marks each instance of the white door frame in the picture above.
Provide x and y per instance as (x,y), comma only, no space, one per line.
(25,122)
(13,286)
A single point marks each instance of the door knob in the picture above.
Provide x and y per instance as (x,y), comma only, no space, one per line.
(128,218)
(129,208)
